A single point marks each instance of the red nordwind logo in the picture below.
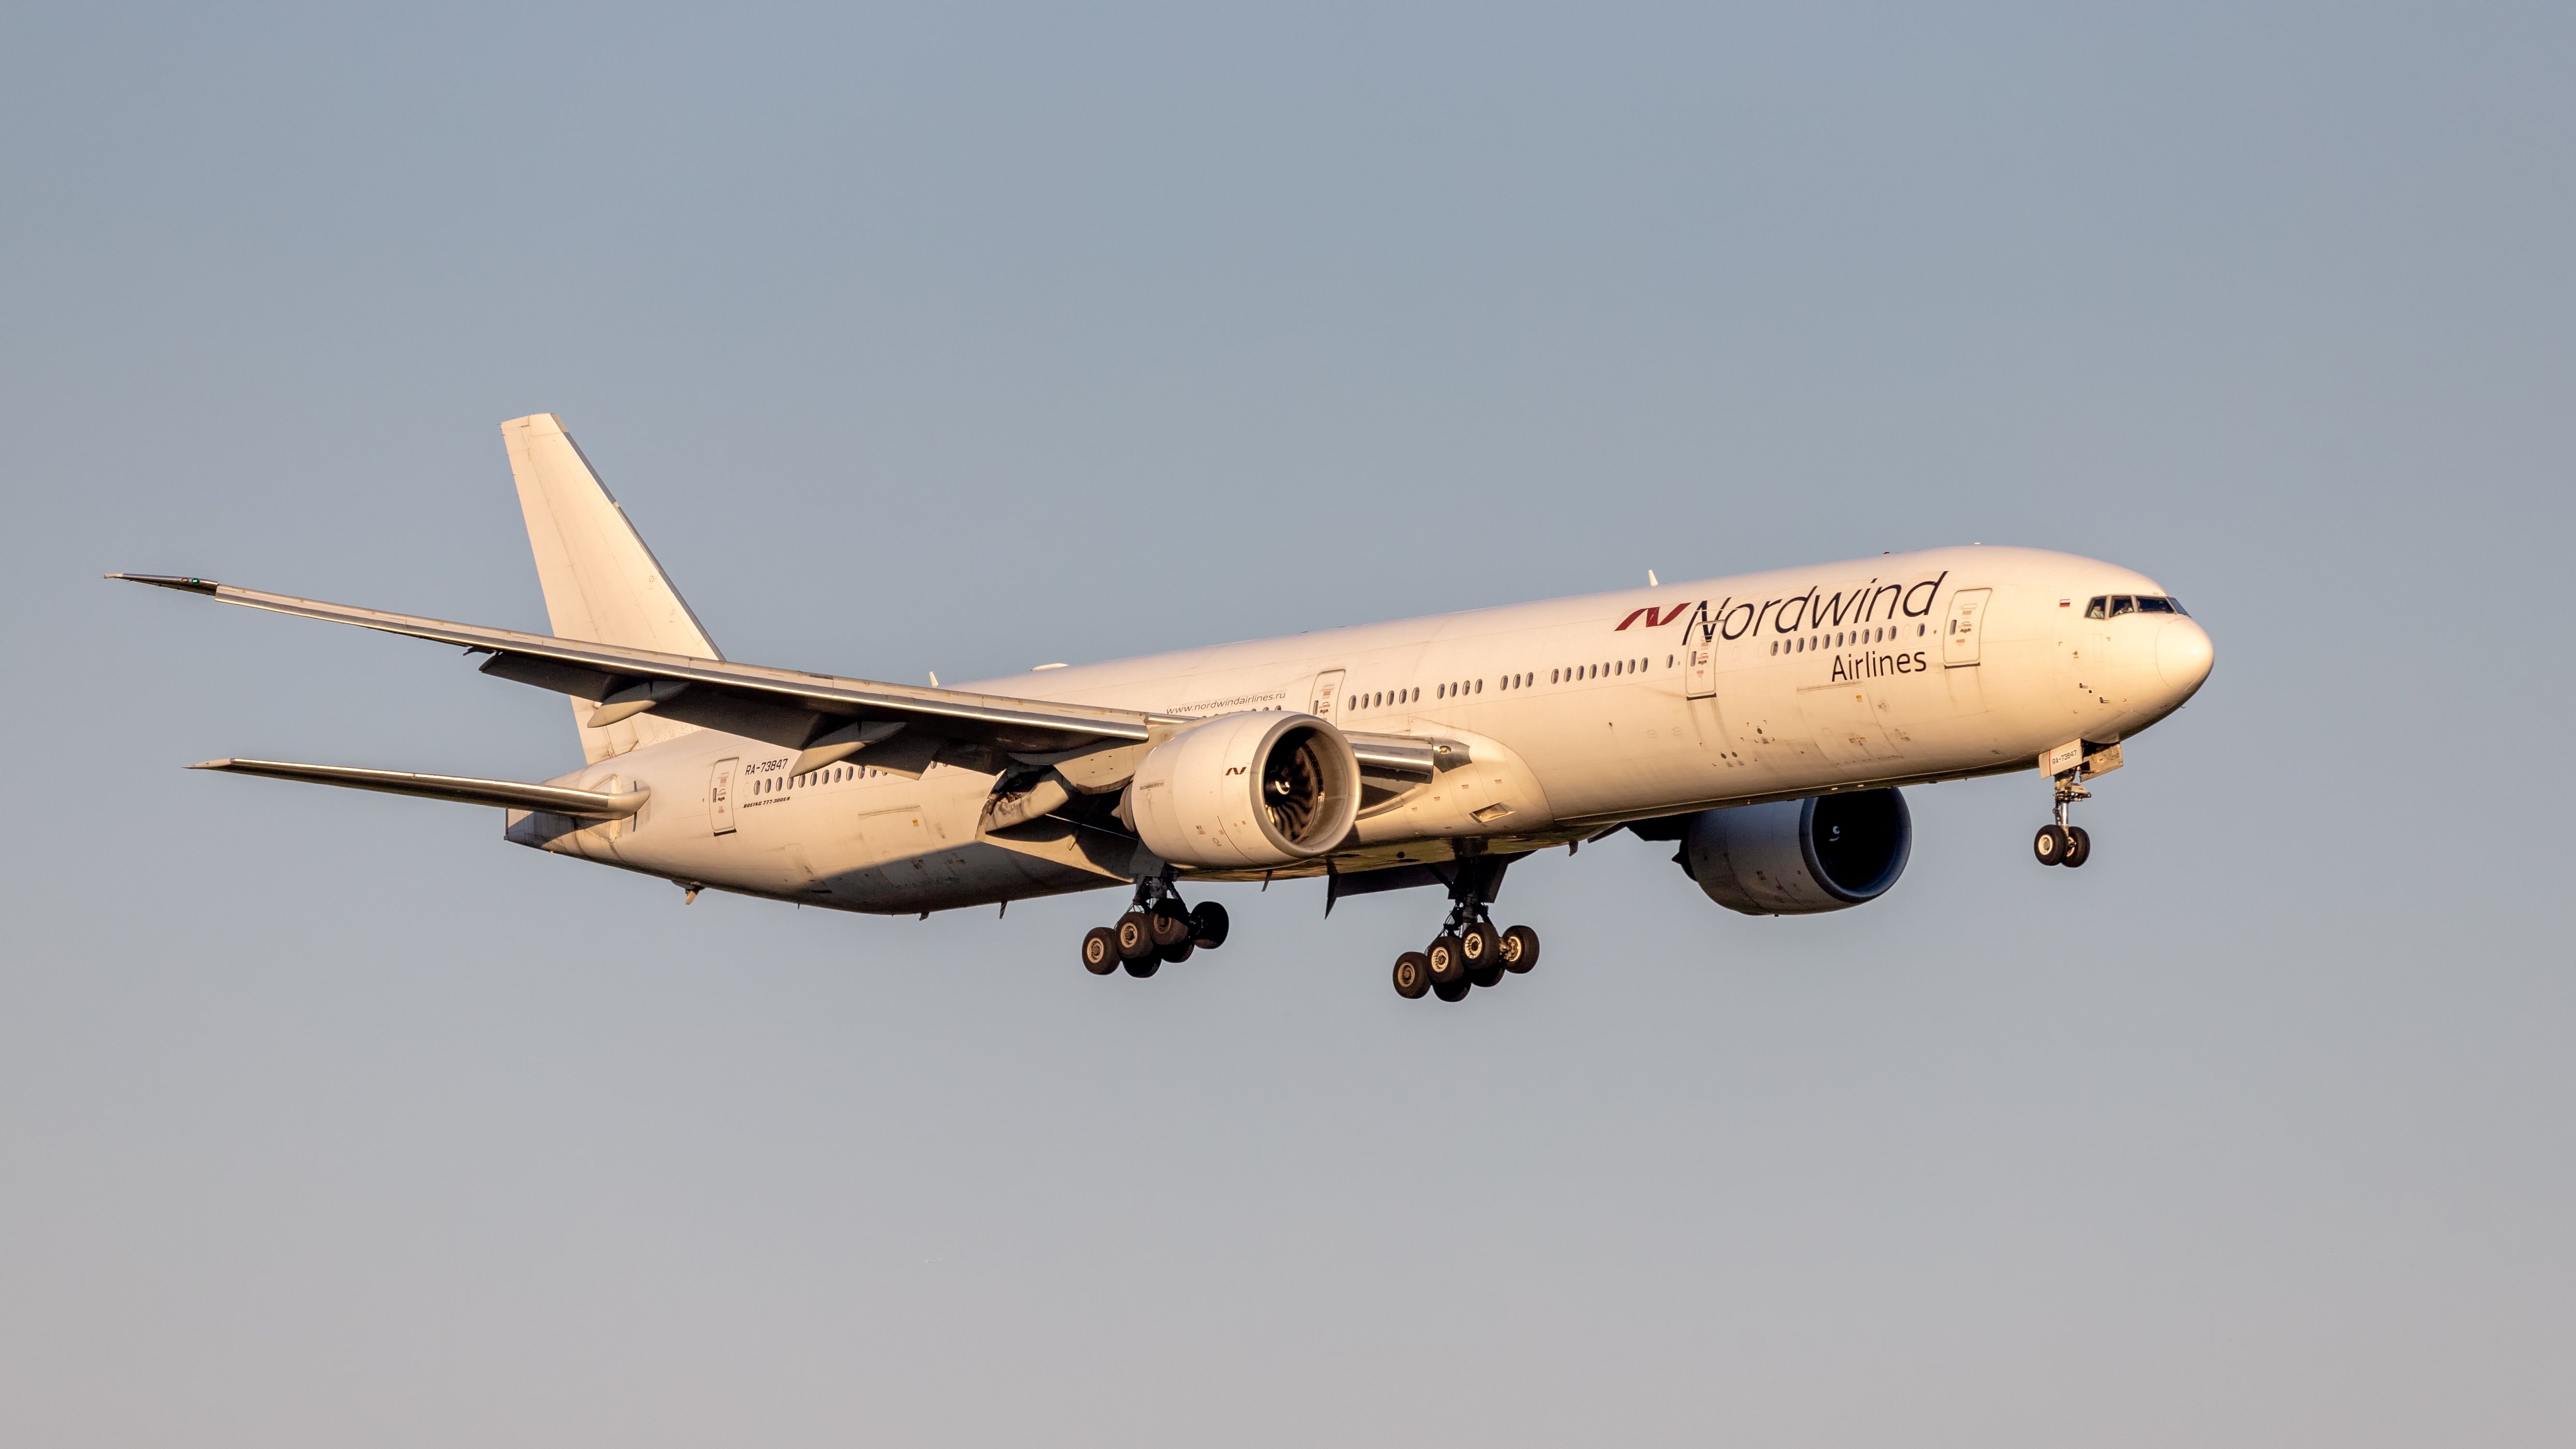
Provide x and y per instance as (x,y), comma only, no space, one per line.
(1653,619)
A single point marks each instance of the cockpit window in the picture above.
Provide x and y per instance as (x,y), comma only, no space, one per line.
(2111,606)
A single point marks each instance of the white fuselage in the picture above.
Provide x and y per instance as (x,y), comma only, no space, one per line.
(1577,713)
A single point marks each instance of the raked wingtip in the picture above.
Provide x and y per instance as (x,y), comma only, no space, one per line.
(170,581)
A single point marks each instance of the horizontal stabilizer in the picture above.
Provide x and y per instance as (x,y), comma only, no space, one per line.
(508,794)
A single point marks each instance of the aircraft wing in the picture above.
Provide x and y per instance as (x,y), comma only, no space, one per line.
(508,794)
(823,715)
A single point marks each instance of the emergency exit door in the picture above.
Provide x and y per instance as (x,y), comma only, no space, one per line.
(1328,694)
(1967,625)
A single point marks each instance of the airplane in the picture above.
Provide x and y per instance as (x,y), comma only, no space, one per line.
(1764,724)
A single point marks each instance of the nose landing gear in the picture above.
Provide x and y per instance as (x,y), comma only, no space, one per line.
(2058,842)
(1159,929)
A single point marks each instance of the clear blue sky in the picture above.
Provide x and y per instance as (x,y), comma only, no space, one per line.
(967,338)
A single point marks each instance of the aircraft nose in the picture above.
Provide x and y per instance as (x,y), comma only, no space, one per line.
(2183,655)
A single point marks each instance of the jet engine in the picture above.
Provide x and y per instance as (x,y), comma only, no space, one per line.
(1257,789)
(1798,857)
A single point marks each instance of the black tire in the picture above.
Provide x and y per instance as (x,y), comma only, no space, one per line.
(1147,967)
(1489,974)
(1169,928)
(2050,845)
(1481,945)
(1412,975)
(1519,949)
(1208,925)
(1135,936)
(1453,991)
(1175,955)
(1448,964)
(1100,951)
(2079,846)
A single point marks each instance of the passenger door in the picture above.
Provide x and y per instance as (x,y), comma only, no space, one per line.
(1699,663)
(1967,626)
(720,783)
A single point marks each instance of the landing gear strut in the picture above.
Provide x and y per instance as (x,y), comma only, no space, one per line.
(1158,928)
(1468,952)
(2059,843)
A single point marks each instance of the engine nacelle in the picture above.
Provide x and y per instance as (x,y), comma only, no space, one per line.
(1256,789)
(1798,857)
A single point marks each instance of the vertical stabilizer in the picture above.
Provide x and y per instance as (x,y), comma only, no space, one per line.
(601,583)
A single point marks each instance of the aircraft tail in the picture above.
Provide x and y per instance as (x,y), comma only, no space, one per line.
(601,583)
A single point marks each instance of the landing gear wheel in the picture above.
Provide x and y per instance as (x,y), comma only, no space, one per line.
(1450,991)
(2079,846)
(1208,925)
(1518,949)
(1175,955)
(1100,951)
(1168,929)
(1135,936)
(2050,845)
(1448,965)
(1479,945)
(1412,975)
(1489,974)
(1147,967)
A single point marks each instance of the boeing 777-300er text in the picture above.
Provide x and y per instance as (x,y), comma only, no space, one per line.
(1764,723)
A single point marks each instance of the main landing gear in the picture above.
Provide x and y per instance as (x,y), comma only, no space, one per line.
(1468,952)
(1157,929)
(2059,843)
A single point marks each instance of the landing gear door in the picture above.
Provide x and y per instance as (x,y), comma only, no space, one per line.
(1699,664)
(720,795)
(1967,625)
(1328,694)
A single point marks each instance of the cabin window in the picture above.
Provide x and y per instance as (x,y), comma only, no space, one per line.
(2099,608)
(2150,604)
(2122,604)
